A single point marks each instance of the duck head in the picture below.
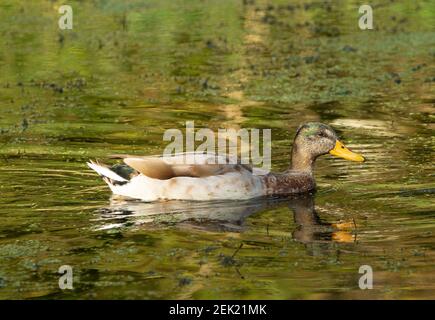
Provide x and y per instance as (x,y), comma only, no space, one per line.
(314,139)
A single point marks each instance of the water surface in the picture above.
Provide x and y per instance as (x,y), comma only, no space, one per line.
(128,71)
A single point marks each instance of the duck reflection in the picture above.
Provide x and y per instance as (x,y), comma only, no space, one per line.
(222,216)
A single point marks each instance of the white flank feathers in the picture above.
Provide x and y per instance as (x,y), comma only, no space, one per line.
(233,185)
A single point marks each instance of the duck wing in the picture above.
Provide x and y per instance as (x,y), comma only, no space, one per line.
(151,167)
(175,166)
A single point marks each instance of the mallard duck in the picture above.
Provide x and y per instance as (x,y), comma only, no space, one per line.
(158,178)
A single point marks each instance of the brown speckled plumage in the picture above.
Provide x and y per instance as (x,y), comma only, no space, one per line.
(288,183)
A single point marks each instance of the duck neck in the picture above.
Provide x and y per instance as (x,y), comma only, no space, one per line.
(302,160)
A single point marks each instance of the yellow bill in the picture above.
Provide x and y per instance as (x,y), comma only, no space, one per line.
(341,151)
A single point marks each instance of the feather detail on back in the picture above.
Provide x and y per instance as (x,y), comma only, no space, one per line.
(151,167)
(159,178)
(183,165)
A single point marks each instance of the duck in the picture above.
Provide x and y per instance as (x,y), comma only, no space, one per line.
(210,177)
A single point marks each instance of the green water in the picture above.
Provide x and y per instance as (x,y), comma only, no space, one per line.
(128,71)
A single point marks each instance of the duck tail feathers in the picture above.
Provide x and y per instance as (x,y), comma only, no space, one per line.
(108,175)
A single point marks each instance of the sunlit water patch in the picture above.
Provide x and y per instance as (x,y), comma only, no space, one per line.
(129,71)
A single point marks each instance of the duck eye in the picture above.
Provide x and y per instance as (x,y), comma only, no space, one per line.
(321,134)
